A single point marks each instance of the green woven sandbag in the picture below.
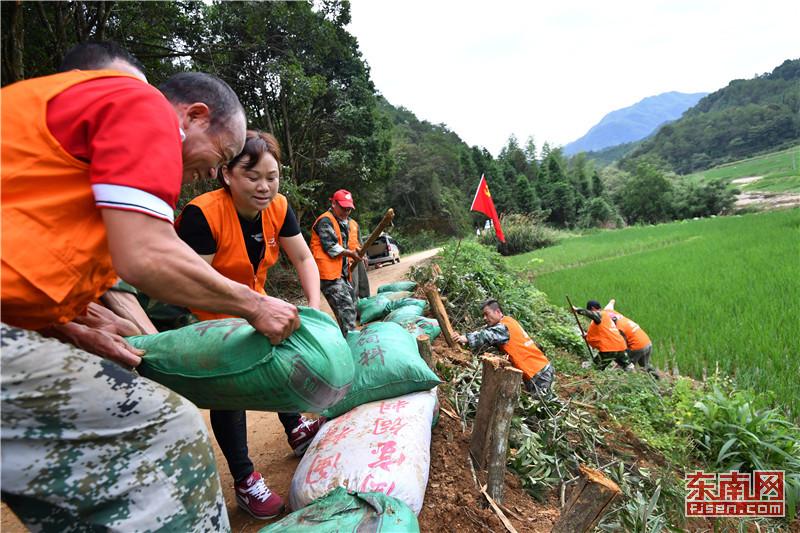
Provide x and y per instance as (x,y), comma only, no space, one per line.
(345,512)
(387,364)
(226,364)
(418,325)
(403,313)
(398,286)
(372,308)
(397,295)
(405,302)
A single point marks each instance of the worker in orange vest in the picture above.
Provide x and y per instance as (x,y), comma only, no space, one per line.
(508,335)
(240,230)
(604,336)
(639,346)
(93,159)
(332,235)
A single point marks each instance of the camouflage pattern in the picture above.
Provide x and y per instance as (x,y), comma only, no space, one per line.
(488,336)
(642,357)
(606,358)
(540,383)
(88,445)
(360,282)
(339,295)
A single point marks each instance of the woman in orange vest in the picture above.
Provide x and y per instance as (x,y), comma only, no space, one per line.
(508,335)
(604,336)
(239,230)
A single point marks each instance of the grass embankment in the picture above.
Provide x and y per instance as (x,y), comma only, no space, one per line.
(644,434)
(709,292)
(779,171)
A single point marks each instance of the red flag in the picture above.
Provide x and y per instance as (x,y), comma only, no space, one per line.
(483,204)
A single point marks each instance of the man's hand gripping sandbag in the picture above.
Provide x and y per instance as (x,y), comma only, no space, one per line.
(226,364)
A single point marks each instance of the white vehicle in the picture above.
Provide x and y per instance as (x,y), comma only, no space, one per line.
(383,250)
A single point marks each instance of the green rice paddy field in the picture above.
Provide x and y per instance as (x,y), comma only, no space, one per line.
(720,291)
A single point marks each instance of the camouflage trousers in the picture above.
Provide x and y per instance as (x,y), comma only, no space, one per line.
(88,445)
(360,282)
(339,294)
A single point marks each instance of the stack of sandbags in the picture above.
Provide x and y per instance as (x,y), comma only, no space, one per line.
(342,511)
(387,364)
(226,364)
(404,285)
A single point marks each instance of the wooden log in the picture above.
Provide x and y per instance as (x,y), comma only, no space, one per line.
(440,313)
(588,502)
(489,442)
(425,351)
(385,221)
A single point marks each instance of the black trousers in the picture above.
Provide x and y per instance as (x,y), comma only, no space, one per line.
(230,430)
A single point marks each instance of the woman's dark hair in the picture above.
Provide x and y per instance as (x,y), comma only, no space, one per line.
(256,144)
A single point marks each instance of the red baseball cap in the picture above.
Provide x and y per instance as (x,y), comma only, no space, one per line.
(343,198)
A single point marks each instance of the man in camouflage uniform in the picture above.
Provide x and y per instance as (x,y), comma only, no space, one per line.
(329,246)
(506,334)
(124,453)
(604,336)
(87,444)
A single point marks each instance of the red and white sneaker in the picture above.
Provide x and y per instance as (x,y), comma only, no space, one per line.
(254,496)
(302,435)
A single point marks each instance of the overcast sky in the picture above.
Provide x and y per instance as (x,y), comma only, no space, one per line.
(553,69)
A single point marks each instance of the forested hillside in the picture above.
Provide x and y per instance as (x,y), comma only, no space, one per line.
(635,122)
(745,118)
(301,76)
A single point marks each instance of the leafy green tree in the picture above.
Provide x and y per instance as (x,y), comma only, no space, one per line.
(646,197)
(527,199)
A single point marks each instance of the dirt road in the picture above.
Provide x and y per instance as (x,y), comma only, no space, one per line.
(269,451)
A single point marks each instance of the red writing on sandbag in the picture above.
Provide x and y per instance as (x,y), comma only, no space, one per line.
(385,452)
(321,467)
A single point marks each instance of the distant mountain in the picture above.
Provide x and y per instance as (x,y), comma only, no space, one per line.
(746,118)
(634,123)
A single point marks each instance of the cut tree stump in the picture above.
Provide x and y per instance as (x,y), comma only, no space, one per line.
(425,351)
(588,502)
(489,443)
(440,313)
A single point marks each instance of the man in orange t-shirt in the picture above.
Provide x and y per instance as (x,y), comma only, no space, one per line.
(510,338)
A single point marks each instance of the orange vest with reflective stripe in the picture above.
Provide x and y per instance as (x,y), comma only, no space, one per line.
(635,336)
(231,259)
(352,236)
(605,336)
(521,350)
(330,268)
(55,257)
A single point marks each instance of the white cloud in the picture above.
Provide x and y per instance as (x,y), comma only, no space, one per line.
(552,70)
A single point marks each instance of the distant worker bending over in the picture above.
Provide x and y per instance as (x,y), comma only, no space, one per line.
(604,336)
(506,334)
(331,236)
(639,346)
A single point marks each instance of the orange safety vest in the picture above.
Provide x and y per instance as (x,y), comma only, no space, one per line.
(55,256)
(231,259)
(521,349)
(330,268)
(605,337)
(352,236)
(635,336)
